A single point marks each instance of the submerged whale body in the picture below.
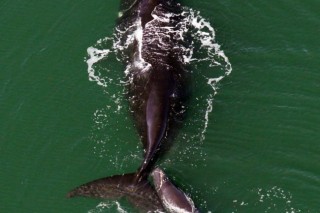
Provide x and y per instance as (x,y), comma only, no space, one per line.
(156,93)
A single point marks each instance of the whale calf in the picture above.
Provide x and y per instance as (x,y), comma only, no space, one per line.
(173,199)
(156,94)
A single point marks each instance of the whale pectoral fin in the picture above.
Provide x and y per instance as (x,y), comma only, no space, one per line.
(141,194)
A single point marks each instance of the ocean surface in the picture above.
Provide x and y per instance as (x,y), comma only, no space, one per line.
(249,143)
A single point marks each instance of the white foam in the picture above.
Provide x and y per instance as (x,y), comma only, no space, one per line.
(119,208)
(202,32)
(102,206)
(96,55)
(206,117)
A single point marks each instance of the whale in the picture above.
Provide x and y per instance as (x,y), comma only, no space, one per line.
(157,92)
(172,198)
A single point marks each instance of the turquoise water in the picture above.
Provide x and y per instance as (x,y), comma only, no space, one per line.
(59,130)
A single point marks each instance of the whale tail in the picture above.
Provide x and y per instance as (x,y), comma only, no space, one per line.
(140,193)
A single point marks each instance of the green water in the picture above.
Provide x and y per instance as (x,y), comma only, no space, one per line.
(261,151)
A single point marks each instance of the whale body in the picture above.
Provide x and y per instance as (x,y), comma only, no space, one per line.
(157,92)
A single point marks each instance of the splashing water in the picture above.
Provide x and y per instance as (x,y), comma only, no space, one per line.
(206,63)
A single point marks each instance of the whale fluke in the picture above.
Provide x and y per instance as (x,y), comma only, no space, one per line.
(141,194)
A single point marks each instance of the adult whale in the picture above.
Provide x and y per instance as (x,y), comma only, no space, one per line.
(156,94)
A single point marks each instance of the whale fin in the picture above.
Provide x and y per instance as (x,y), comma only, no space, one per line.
(141,194)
